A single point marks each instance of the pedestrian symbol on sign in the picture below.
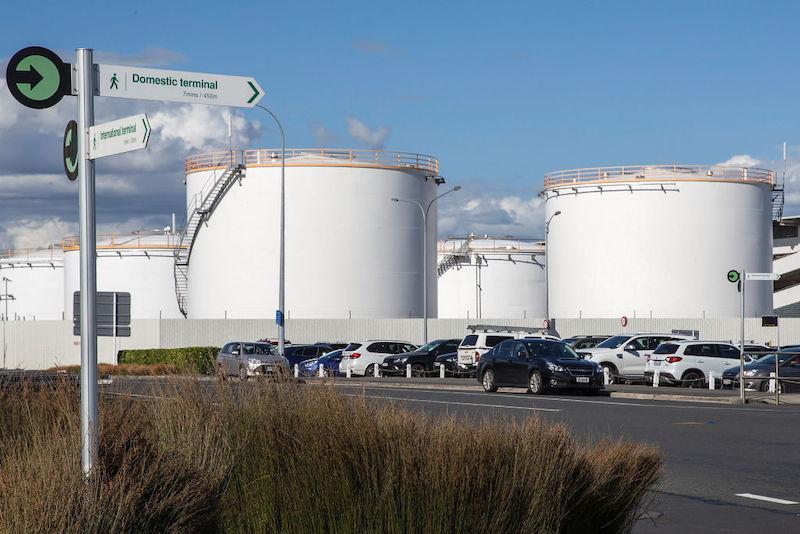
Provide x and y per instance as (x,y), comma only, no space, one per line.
(114,82)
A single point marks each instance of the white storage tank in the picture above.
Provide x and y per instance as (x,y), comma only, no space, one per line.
(658,240)
(350,250)
(495,278)
(36,281)
(140,263)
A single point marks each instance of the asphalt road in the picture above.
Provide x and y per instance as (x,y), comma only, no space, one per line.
(713,453)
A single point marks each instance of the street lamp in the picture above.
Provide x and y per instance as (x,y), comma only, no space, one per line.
(424,212)
(6,297)
(547,265)
(282,254)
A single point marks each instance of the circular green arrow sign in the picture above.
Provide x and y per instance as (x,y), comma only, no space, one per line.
(38,78)
(71,150)
(733,276)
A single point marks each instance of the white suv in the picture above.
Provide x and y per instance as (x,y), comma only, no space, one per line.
(363,358)
(625,355)
(688,363)
(482,339)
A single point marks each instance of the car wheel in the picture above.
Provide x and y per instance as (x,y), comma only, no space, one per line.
(417,369)
(370,370)
(487,381)
(693,379)
(535,385)
(612,372)
(765,386)
(242,374)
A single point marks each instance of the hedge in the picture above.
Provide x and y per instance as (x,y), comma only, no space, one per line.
(189,359)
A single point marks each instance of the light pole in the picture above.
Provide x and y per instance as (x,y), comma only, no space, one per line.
(279,316)
(424,212)
(6,297)
(547,266)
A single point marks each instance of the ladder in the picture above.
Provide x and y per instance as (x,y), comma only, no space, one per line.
(777,202)
(196,215)
(452,259)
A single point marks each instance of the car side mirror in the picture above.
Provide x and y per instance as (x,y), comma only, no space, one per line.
(234,353)
(630,346)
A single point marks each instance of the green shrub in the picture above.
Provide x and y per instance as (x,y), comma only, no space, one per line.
(189,359)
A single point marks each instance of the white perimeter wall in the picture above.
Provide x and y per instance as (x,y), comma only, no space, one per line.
(44,344)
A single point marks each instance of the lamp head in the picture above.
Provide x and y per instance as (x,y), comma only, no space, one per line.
(557,212)
(393,199)
(457,188)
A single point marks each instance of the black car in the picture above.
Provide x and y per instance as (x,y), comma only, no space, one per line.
(539,365)
(757,373)
(450,363)
(421,360)
(585,342)
(299,353)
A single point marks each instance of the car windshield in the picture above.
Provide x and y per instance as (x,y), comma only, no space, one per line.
(552,349)
(769,359)
(613,342)
(352,347)
(427,347)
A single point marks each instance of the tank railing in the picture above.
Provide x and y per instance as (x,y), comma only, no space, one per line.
(37,254)
(312,156)
(493,245)
(659,172)
(127,240)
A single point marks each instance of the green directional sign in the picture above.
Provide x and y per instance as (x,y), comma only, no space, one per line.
(38,78)
(733,276)
(71,150)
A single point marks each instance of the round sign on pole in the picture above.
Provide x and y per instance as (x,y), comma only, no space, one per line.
(38,78)
(546,323)
(71,150)
(733,276)
(623,321)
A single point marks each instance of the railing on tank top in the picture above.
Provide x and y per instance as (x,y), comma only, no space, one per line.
(150,240)
(271,157)
(632,173)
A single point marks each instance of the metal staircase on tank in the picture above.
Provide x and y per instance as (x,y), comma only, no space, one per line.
(777,202)
(194,220)
(451,260)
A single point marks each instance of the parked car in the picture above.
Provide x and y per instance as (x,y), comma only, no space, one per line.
(756,374)
(329,363)
(539,365)
(689,363)
(585,342)
(483,337)
(336,345)
(625,355)
(245,359)
(450,363)
(363,358)
(420,360)
(274,341)
(299,353)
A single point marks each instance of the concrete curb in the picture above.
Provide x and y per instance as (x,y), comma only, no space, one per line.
(674,398)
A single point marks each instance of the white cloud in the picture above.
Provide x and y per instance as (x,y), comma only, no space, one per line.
(742,160)
(495,216)
(152,56)
(35,233)
(362,134)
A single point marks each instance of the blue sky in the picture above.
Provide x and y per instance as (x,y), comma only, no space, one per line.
(501,92)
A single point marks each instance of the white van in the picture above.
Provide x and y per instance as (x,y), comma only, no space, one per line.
(484,337)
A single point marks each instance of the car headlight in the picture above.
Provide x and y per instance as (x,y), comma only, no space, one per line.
(401,361)
(598,368)
(253,362)
(555,368)
(751,372)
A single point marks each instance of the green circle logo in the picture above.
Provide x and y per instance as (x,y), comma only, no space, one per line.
(733,276)
(38,78)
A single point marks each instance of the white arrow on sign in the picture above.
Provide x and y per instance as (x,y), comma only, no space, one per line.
(177,86)
(119,136)
(762,276)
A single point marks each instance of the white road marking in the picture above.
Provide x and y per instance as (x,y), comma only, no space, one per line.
(411,399)
(762,498)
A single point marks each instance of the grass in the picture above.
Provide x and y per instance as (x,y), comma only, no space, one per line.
(286,458)
(156,369)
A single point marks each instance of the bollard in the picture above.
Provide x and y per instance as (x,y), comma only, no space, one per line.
(296,370)
(441,371)
(348,372)
(712,380)
(606,376)
(376,371)
(321,371)
(656,377)
(408,370)
(772,382)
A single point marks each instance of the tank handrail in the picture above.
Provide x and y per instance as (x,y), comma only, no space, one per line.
(312,156)
(28,253)
(724,173)
(505,246)
(125,240)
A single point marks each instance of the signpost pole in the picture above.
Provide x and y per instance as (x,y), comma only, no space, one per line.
(86,201)
(743,278)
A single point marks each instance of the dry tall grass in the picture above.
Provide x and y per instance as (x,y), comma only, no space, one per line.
(288,458)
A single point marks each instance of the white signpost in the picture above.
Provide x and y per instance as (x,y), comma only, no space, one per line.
(119,136)
(177,86)
(762,276)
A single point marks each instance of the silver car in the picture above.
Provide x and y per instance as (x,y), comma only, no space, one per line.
(245,359)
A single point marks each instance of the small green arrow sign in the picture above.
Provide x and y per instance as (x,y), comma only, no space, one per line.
(38,78)
(71,150)
(733,276)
